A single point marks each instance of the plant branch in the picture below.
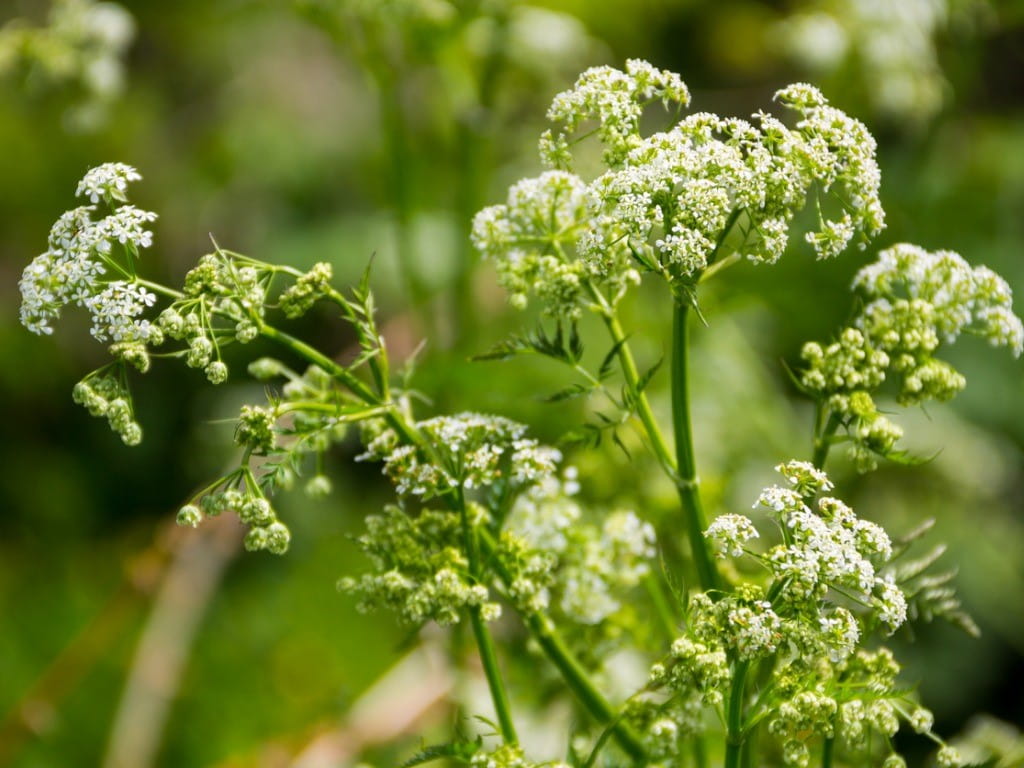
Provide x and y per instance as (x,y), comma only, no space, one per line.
(540,626)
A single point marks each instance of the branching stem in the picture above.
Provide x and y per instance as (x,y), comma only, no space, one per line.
(540,626)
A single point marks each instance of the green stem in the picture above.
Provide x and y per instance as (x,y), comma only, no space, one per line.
(734,721)
(632,377)
(489,659)
(669,623)
(402,162)
(313,355)
(823,441)
(826,752)
(157,288)
(484,641)
(575,676)
(700,752)
(689,492)
(580,684)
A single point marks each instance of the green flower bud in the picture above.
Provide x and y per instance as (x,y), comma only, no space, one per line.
(246,331)
(318,486)
(217,372)
(278,538)
(256,539)
(190,515)
(265,368)
(132,434)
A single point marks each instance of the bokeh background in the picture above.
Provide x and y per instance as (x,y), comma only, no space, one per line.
(307,130)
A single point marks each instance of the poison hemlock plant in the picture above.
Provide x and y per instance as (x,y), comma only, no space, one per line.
(775,653)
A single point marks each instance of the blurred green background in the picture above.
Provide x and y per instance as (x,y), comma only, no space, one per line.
(307,130)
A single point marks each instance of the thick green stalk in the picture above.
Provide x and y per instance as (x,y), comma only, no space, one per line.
(689,492)
(826,752)
(734,720)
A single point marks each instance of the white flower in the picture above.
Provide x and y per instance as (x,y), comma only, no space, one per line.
(733,531)
(108,182)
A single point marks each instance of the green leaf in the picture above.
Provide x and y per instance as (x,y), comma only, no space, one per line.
(456,750)
(608,364)
(568,393)
(645,379)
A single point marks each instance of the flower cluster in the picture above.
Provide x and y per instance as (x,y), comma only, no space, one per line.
(820,682)
(240,492)
(616,100)
(82,252)
(508,756)
(559,559)
(469,451)
(420,569)
(104,395)
(307,290)
(828,547)
(915,302)
(667,202)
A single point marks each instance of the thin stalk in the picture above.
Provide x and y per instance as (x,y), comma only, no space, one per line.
(575,676)
(489,659)
(700,752)
(402,166)
(157,288)
(689,493)
(632,377)
(734,721)
(669,623)
(313,355)
(484,641)
(581,685)
(823,441)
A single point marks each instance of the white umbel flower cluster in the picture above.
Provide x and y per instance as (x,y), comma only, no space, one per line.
(108,182)
(470,451)
(666,202)
(80,255)
(825,547)
(559,558)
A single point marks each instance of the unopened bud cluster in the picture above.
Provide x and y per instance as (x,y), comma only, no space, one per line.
(242,496)
(916,301)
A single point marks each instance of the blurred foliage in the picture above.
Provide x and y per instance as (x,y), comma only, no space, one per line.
(331,130)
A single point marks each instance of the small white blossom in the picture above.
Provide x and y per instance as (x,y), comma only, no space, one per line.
(107,182)
(733,532)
